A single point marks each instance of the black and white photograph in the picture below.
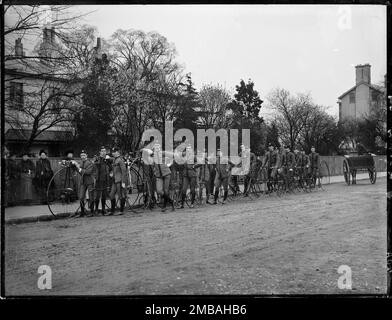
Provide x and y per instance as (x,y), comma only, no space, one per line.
(167,149)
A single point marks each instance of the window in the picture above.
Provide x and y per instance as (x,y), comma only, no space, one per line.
(16,95)
(352,97)
(374,95)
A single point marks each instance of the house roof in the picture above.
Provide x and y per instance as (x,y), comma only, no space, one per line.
(46,136)
(373,86)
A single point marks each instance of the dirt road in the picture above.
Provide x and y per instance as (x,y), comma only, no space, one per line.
(271,245)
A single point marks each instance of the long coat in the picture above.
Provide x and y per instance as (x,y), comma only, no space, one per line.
(26,169)
(43,173)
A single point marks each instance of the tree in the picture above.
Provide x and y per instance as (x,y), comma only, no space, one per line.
(292,114)
(95,120)
(272,134)
(245,114)
(186,116)
(149,88)
(213,102)
(319,130)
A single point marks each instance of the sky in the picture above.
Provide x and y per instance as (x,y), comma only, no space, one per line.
(304,49)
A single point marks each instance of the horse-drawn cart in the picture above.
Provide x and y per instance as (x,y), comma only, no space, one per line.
(359,163)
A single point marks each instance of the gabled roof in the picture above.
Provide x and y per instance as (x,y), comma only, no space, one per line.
(373,86)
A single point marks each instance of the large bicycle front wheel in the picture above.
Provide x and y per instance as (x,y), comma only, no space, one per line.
(61,193)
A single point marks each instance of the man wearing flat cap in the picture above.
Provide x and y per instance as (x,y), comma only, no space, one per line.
(223,168)
(103,166)
(271,162)
(86,170)
(119,182)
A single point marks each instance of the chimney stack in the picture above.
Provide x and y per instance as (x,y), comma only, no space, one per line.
(19,48)
(97,49)
(362,73)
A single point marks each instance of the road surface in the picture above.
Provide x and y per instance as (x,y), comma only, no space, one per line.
(289,245)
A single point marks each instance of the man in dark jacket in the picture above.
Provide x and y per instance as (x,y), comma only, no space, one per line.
(103,167)
(120,182)
(87,180)
(289,165)
(223,168)
(205,173)
(271,162)
(189,175)
(162,172)
(43,174)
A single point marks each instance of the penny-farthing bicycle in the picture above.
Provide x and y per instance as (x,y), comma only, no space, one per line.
(62,190)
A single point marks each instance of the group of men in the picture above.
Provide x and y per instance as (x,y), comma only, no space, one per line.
(284,161)
(96,177)
(213,171)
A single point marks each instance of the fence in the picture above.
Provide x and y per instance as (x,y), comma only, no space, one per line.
(335,164)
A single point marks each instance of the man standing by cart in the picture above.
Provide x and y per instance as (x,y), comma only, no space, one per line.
(314,161)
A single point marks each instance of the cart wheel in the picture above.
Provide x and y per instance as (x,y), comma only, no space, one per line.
(346,172)
(372,175)
(61,196)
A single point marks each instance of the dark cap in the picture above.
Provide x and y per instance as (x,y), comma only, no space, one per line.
(102,147)
(115,149)
(42,151)
(83,151)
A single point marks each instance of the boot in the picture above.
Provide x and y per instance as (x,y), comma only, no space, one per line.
(171,202)
(164,203)
(182,201)
(82,209)
(113,207)
(91,207)
(208,198)
(224,196)
(193,196)
(216,196)
(122,205)
(103,204)
(96,202)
